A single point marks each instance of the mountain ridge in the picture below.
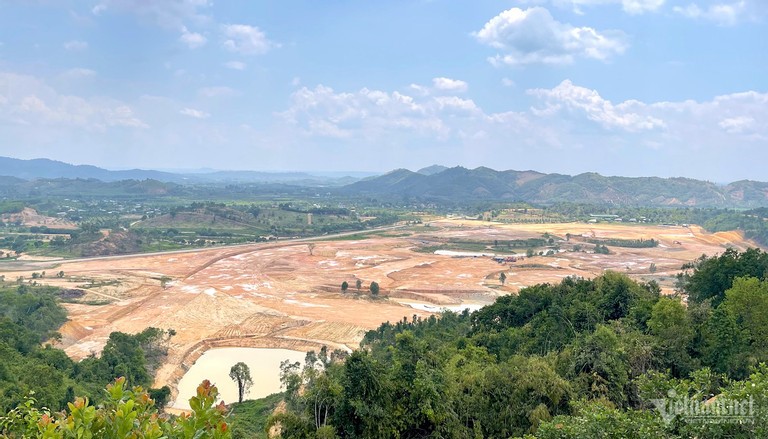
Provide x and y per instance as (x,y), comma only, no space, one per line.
(437,183)
(482,183)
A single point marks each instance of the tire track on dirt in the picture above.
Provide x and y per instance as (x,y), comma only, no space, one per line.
(228,255)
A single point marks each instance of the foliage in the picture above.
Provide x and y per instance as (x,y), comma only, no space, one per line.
(630,243)
(124,413)
(709,277)
(30,316)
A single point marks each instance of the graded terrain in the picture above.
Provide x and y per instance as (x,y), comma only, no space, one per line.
(278,295)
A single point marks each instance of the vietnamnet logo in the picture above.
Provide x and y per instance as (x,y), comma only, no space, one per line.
(717,410)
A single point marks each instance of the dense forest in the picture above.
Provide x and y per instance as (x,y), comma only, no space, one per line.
(604,357)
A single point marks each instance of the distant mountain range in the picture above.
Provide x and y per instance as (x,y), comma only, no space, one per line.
(455,184)
(433,183)
(52,169)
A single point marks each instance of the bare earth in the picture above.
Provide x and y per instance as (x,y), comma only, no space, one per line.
(277,295)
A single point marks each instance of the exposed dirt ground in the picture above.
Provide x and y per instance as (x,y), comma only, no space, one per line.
(30,218)
(278,295)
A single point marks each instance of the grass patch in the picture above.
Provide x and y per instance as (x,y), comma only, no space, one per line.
(537,266)
(249,418)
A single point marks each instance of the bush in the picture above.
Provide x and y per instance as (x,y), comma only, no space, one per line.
(125,413)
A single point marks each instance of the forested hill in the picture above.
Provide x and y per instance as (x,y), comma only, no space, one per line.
(484,183)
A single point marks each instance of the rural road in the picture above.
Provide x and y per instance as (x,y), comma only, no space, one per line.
(37,265)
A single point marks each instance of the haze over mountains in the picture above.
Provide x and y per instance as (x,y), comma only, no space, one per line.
(50,169)
(433,183)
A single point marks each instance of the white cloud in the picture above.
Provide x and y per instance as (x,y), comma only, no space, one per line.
(366,113)
(31,102)
(79,73)
(247,40)
(569,119)
(533,36)
(456,103)
(193,40)
(217,92)
(448,84)
(197,114)
(580,99)
(737,125)
(506,82)
(235,65)
(75,45)
(722,14)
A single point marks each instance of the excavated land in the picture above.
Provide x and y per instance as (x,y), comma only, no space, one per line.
(278,295)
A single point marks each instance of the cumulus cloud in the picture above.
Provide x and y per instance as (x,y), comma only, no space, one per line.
(247,40)
(448,84)
(567,96)
(533,36)
(197,114)
(567,117)
(722,14)
(75,46)
(235,65)
(193,40)
(737,125)
(30,102)
(368,113)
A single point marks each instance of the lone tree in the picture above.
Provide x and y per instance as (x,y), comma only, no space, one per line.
(502,278)
(374,288)
(344,286)
(241,374)
(311,248)
(358,284)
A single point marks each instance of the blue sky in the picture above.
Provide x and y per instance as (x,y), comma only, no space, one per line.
(620,87)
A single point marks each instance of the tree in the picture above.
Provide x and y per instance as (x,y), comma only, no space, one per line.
(358,284)
(241,374)
(344,286)
(672,327)
(374,288)
(502,278)
(652,268)
(311,248)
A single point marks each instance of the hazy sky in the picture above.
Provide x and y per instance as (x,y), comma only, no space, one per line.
(621,87)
